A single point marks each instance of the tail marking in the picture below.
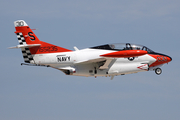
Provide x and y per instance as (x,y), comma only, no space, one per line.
(31,45)
(21,39)
(25,51)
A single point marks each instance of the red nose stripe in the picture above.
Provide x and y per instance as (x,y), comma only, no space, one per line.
(125,53)
(160,59)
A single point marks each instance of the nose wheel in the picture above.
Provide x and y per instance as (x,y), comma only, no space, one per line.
(158,71)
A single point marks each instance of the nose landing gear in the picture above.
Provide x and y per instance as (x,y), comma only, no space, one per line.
(158,71)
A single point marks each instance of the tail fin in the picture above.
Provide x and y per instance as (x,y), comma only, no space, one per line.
(30,44)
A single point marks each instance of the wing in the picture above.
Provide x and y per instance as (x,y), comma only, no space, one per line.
(105,62)
(108,59)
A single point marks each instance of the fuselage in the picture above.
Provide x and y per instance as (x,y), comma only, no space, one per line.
(103,60)
(86,62)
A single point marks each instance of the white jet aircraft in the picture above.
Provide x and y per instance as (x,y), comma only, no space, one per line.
(104,60)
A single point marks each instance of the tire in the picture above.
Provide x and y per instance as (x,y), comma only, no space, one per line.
(158,71)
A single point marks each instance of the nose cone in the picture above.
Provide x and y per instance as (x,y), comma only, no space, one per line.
(163,57)
(169,59)
(160,59)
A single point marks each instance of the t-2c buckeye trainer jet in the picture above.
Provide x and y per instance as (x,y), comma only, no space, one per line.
(104,60)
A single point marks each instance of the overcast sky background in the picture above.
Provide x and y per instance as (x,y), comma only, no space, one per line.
(40,93)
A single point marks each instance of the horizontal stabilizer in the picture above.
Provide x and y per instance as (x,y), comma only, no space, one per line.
(25,46)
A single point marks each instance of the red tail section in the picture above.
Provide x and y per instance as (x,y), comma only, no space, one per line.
(31,38)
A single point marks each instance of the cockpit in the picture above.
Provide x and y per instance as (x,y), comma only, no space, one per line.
(123,46)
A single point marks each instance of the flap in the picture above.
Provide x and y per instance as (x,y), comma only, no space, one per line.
(67,68)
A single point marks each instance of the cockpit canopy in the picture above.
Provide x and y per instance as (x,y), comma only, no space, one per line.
(123,46)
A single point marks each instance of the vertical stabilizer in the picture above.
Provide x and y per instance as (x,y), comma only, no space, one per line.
(31,45)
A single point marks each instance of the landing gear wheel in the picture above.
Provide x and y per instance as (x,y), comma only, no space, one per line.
(158,71)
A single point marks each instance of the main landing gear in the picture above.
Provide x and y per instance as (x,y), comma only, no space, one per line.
(158,71)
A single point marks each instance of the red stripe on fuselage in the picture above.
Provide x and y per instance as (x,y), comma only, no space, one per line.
(125,53)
